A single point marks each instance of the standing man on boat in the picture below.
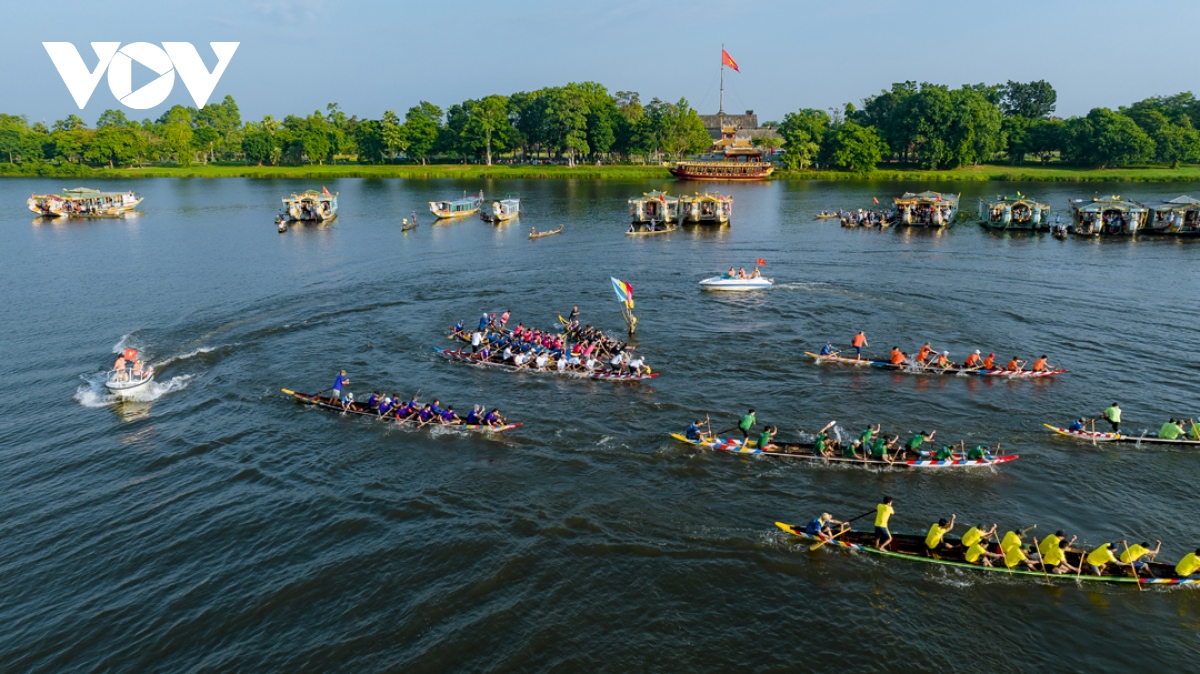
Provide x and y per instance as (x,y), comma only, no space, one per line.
(859,343)
(745,425)
(1112,414)
(338,385)
(883,513)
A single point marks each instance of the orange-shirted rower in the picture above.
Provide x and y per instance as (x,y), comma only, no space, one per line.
(859,341)
(898,356)
(923,354)
(1014,365)
(1039,365)
(973,362)
(989,363)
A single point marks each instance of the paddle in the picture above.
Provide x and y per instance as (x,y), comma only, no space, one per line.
(847,523)
(1136,577)
(1041,559)
(1093,432)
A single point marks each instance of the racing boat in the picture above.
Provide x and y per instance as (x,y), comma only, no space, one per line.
(606,375)
(804,451)
(1144,438)
(918,369)
(130,380)
(362,410)
(912,547)
(736,284)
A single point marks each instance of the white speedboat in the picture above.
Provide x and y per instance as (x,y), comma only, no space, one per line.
(736,284)
(129,375)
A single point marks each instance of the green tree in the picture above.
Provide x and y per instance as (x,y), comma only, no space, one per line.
(392,134)
(18,141)
(803,133)
(176,134)
(113,145)
(421,126)
(368,136)
(1031,100)
(629,130)
(855,148)
(1045,137)
(885,112)
(485,123)
(1105,138)
(1173,142)
(975,132)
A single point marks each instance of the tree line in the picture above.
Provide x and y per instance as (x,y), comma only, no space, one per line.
(934,126)
(928,125)
(574,122)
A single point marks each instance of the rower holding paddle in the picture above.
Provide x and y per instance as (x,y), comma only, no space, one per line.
(1053,553)
(493,418)
(897,356)
(923,354)
(1039,365)
(1015,365)
(1098,559)
(1134,552)
(820,527)
(934,540)
(1188,566)
(989,363)
(764,439)
(973,361)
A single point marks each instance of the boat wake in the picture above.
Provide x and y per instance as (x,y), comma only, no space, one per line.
(190,354)
(816,285)
(92,393)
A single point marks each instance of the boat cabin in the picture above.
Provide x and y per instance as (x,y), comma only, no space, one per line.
(739,161)
(311,206)
(709,208)
(656,206)
(1107,216)
(1179,216)
(926,209)
(1014,212)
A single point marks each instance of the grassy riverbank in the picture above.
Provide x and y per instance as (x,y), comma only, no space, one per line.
(987,172)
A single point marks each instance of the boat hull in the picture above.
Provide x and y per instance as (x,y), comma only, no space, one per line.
(1026,374)
(736,446)
(1099,436)
(605,376)
(362,410)
(129,389)
(736,285)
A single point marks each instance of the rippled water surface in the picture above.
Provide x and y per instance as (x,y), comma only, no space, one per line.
(217,526)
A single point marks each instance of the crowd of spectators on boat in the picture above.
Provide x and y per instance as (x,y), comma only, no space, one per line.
(577,348)
(867,218)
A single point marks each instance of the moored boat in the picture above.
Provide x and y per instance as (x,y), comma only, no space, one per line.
(457,208)
(1107,216)
(918,369)
(83,202)
(804,452)
(362,410)
(1175,217)
(726,283)
(506,209)
(606,375)
(1101,436)
(1014,213)
(650,229)
(926,209)
(654,207)
(912,547)
(310,206)
(710,208)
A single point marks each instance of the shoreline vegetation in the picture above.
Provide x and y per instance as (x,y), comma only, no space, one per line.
(980,173)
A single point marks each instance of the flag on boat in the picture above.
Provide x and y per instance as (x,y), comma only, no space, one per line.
(726,59)
(624,293)
(875,199)
(325,191)
(760,262)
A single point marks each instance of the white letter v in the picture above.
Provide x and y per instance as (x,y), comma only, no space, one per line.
(74,73)
(199,82)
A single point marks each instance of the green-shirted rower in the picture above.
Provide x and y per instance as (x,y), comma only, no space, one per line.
(764,439)
(914,443)
(866,437)
(1171,430)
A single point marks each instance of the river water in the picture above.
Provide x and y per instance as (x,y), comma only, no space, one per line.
(217,526)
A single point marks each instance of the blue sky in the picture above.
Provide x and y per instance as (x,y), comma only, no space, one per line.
(370,56)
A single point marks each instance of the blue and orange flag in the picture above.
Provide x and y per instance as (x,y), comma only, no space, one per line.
(726,59)
(624,293)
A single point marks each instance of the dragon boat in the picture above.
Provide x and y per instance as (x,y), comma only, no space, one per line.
(912,547)
(362,410)
(606,375)
(918,369)
(804,451)
(1144,438)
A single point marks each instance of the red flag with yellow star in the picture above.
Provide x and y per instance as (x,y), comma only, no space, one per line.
(728,60)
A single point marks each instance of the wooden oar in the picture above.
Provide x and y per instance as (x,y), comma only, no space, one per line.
(1041,560)
(847,528)
(1136,577)
(1093,432)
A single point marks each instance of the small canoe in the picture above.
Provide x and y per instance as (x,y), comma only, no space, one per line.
(1144,438)
(915,369)
(912,547)
(650,232)
(538,235)
(606,375)
(736,284)
(362,410)
(804,451)
(826,216)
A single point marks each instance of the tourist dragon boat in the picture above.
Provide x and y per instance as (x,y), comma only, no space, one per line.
(804,451)
(1014,213)
(362,410)
(917,369)
(709,208)
(1107,216)
(82,202)
(309,206)
(737,162)
(926,209)
(1145,438)
(604,375)
(911,547)
(458,208)
(654,207)
(1174,217)
(506,209)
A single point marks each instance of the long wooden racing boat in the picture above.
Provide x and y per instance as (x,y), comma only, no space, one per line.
(996,372)
(912,547)
(804,451)
(605,374)
(1144,438)
(362,410)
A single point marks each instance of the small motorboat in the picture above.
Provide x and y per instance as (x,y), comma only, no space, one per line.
(129,376)
(736,284)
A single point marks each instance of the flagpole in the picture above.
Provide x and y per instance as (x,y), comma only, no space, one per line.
(721,105)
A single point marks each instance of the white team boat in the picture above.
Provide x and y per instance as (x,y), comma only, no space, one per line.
(736,284)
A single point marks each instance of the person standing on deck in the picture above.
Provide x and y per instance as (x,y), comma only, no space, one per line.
(745,425)
(859,342)
(883,513)
(338,385)
(1112,414)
